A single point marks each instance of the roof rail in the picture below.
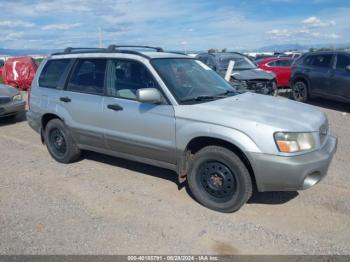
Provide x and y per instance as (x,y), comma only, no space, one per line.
(175,52)
(69,50)
(114,47)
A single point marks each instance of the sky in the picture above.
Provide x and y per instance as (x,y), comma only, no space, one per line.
(173,24)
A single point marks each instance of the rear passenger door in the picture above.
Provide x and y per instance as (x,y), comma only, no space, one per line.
(340,77)
(320,72)
(82,99)
(144,130)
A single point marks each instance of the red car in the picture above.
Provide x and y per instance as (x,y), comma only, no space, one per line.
(281,66)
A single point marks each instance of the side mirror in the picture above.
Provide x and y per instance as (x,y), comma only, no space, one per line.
(148,95)
(348,68)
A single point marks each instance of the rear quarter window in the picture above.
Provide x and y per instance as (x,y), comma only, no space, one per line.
(322,61)
(308,60)
(52,72)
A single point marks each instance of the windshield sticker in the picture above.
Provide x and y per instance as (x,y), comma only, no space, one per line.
(203,65)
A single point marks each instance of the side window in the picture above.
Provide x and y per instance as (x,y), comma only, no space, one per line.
(322,61)
(200,58)
(273,63)
(308,60)
(125,77)
(283,63)
(52,72)
(343,61)
(211,62)
(88,76)
(203,59)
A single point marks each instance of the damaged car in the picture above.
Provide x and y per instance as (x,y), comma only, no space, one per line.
(246,76)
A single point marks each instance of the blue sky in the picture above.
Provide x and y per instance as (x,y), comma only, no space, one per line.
(173,24)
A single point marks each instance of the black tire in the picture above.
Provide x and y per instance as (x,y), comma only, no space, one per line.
(275,90)
(300,91)
(60,143)
(219,180)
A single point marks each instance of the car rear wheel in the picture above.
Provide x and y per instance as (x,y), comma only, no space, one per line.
(219,180)
(274,89)
(300,91)
(60,143)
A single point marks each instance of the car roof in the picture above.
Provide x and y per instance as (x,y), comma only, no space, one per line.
(329,52)
(218,54)
(164,55)
(275,59)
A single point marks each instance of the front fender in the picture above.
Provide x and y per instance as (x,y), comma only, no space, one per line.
(187,132)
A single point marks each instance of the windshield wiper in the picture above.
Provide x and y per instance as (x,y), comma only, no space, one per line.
(198,98)
(226,93)
(207,97)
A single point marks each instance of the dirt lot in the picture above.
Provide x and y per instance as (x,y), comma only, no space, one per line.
(104,205)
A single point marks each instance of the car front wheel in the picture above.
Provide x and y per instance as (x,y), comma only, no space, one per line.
(219,180)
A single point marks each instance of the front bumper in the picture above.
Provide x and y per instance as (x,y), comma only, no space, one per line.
(12,108)
(278,173)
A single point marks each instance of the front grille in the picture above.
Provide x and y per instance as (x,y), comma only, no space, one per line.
(5,100)
(323,131)
(260,86)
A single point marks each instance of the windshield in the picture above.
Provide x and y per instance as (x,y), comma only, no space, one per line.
(191,81)
(241,62)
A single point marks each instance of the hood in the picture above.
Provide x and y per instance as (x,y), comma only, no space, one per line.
(251,112)
(253,74)
(256,116)
(8,91)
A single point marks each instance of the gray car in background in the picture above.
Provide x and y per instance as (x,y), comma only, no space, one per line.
(323,74)
(246,75)
(175,112)
(11,101)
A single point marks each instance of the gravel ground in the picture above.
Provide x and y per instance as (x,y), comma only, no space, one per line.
(105,205)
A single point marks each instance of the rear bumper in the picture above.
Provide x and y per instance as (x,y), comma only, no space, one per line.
(278,173)
(12,108)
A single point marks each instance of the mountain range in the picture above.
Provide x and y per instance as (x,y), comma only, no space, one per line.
(270,48)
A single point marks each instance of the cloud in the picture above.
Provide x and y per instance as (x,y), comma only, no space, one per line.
(168,23)
(313,21)
(12,36)
(60,26)
(14,24)
(301,34)
(332,36)
(275,33)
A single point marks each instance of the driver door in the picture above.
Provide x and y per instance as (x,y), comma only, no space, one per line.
(144,130)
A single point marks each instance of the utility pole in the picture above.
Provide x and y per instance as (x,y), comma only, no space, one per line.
(100,36)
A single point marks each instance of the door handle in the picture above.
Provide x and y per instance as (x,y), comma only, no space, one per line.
(115,107)
(65,99)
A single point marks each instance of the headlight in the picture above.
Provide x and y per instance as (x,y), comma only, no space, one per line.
(17,98)
(294,142)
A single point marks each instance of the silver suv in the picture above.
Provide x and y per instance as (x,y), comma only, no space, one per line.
(173,111)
